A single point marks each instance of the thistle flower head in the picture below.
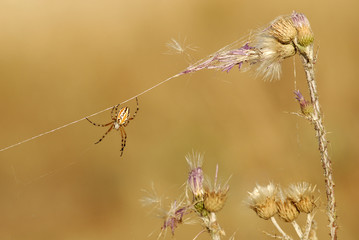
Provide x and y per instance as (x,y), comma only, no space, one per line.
(195,176)
(263,200)
(287,211)
(302,195)
(283,30)
(215,195)
(305,36)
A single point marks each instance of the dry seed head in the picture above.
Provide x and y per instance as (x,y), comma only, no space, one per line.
(272,54)
(214,200)
(287,211)
(263,201)
(283,30)
(266,209)
(215,194)
(302,196)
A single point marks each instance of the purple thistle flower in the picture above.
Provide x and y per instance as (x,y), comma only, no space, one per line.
(299,20)
(195,176)
(195,181)
(175,217)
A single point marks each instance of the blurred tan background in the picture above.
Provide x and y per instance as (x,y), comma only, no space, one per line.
(63,60)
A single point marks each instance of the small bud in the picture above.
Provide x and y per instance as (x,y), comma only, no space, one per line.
(287,211)
(214,200)
(263,201)
(200,208)
(283,30)
(302,196)
(305,106)
(195,182)
(305,36)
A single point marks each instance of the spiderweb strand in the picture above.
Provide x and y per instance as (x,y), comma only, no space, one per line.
(193,68)
(79,120)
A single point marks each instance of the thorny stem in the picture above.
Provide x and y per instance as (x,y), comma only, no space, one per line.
(308,64)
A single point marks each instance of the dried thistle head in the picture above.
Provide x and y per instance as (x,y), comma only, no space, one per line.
(215,195)
(287,211)
(273,52)
(302,195)
(263,200)
(282,29)
(214,201)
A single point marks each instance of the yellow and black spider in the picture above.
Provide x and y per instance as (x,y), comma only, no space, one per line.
(120,119)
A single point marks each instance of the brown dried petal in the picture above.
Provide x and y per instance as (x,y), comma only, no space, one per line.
(287,211)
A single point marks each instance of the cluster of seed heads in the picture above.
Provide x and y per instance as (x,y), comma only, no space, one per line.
(270,200)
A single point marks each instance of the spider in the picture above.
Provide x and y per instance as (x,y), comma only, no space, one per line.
(119,121)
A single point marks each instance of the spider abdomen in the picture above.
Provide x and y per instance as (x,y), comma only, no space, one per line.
(122,116)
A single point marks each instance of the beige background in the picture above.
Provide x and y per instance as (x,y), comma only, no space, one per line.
(63,60)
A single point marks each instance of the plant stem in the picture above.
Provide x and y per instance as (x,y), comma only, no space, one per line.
(308,64)
(297,229)
(285,236)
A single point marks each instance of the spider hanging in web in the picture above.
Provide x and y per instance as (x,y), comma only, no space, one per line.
(120,119)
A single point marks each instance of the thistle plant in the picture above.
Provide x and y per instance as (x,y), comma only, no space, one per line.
(262,53)
(202,198)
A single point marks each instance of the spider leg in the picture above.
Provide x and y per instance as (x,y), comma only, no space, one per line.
(124,138)
(105,134)
(99,125)
(114,109)
(134,115)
